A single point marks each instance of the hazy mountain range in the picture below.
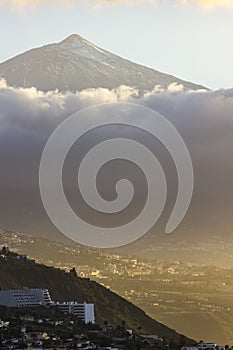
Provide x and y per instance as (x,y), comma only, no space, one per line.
(76,64)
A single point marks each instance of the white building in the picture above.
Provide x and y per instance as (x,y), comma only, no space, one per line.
(203,346)
(84,311)
(41,297)
(25,298)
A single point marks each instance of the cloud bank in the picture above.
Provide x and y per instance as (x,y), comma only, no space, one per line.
(203,118)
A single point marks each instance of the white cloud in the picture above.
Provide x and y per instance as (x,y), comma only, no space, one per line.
(203,118)
(205,3)
(28,105)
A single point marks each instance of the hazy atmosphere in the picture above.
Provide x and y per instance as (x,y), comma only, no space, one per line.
(116,174)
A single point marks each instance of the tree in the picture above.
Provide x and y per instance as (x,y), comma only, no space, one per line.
(73,272)
(123,323)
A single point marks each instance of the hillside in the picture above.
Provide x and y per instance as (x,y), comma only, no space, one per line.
(169,291)
(15,274)
(77,64)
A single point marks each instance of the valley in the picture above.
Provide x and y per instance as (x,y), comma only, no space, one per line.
(195,300)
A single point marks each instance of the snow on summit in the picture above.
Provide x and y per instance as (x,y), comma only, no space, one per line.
(76,64)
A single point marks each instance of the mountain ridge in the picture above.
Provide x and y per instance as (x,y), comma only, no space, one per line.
(75,64)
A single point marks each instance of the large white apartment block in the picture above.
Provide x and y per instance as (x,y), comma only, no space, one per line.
(83,311)
(41,297)
(25,298)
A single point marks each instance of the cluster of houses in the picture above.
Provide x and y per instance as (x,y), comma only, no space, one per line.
(38,340)
(4,252)
(204,346)
(28,339)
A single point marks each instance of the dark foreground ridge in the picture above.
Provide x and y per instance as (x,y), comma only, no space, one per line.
(63,286)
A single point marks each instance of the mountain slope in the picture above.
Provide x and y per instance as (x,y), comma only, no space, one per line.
(76,64)
(168,291)
(65,286)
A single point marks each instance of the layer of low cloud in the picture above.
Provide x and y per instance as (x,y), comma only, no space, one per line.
(203,118)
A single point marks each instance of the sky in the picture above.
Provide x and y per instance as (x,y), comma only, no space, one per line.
(189,39)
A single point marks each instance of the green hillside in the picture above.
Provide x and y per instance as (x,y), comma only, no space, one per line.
(63,286)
